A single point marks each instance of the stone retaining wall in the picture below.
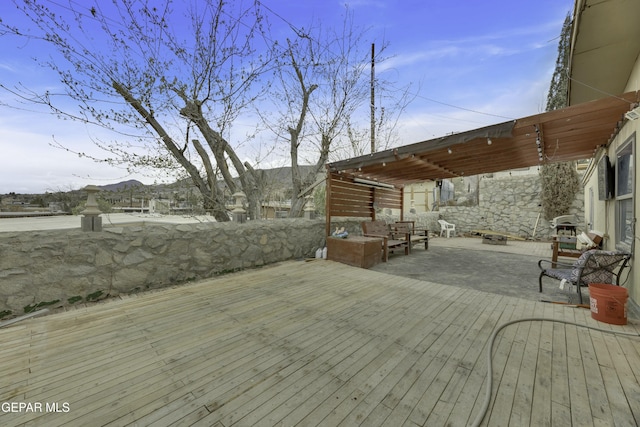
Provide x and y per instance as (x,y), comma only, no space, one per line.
(64,267)
(424,220)
(509,205)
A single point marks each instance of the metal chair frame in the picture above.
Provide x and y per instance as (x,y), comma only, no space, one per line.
(593,266)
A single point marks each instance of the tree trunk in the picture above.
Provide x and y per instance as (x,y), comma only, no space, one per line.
(208,189)
(297,207)
(217,210)
(222,150)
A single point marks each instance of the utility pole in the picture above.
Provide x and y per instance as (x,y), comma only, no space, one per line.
(373,105)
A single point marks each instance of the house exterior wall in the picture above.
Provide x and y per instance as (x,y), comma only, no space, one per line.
(605,218)
(595,210)
(634,78)
(418,197)
(604,212)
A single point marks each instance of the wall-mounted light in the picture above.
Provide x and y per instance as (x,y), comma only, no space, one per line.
(372,183)
(633,114)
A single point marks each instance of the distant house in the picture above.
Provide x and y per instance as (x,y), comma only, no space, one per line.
(605,49)
(160,206)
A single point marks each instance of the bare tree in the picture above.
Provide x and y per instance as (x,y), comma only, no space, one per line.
(321,83)
(175,93)
(321,91)
(390,104)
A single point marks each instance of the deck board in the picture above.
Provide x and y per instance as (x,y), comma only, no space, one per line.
(318,344)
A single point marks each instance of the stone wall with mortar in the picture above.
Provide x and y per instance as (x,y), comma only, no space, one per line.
(422,220)
(57,268)
(509,205)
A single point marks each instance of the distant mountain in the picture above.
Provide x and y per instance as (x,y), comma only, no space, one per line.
(276,177)
(132,183)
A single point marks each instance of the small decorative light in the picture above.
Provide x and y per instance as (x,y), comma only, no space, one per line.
(489,142)
(449,150)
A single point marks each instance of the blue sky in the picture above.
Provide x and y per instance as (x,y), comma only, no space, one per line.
(469,63)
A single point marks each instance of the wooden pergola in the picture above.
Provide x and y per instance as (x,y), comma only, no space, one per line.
(359,185)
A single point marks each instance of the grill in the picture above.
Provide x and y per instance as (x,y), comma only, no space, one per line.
(564,224)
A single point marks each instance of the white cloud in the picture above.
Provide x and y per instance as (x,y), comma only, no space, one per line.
(501,71)
(30,164)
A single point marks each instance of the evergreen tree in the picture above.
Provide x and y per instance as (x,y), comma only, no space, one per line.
(559,181)
(559,88)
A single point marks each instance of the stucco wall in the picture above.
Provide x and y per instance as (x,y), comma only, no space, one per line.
(65,267)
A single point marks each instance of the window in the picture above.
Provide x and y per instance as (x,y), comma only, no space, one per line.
(624,195)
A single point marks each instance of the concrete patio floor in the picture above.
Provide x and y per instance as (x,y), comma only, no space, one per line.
(510,269)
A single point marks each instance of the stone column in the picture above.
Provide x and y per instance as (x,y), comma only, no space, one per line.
(91,220)
(309,208)
(238,212)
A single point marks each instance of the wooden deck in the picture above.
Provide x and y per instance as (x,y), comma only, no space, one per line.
(316,343)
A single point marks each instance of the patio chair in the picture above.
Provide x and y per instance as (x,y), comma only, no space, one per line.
(416,235)
(593,266)
(390,239)
(446,227)
(574,246)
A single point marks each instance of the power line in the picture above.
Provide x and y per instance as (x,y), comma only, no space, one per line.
(598,90)
(300,33)
(462,108)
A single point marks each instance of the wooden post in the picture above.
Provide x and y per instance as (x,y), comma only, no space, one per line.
(327,203)
(373,102)
(402,203)
(373,203)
